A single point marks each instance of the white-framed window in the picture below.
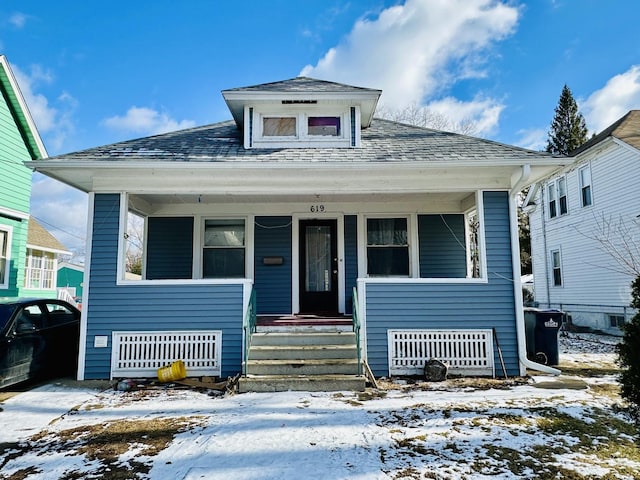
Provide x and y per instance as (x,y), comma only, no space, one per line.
(5,257)
(294,127)
(557,193)
(388,246)
(556,268)
(553,203)
(285,126)
(223,248)
(562,195)
(584,175)
(40,271)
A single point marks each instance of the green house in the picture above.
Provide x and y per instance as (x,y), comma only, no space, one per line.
(28,253)
(71,278)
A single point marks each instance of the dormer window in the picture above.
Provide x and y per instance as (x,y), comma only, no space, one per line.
(301,126)
(279,127)
(323,126)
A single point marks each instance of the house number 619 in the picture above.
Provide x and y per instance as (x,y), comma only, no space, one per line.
(317,208)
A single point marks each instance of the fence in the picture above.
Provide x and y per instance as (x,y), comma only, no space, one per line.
(141,354)
(466,352)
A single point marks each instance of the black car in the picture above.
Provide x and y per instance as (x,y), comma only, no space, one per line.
(38,337)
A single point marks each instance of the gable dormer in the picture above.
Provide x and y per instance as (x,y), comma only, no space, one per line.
(302,112)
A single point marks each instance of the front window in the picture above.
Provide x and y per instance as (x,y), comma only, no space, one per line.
(585,186)
(387,247)
(40,270)
(556,268)
(223,254)
(4,257)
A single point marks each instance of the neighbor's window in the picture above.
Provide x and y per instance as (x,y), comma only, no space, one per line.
(40,270)
(556,265)
(223,254)
(585,186)
(562,195)
(553,209)
(324,126)
(387,247)
(4,257)
(279,127)
(616,321)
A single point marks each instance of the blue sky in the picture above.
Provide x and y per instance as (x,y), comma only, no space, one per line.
(95,73)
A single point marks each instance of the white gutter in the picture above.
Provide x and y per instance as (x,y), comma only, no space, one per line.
(517,285)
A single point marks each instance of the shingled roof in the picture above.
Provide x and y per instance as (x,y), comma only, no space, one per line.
(626,129)
(385,141)
(39,237)
(304,85)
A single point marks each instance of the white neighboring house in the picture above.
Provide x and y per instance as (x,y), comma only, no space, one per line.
(589,207)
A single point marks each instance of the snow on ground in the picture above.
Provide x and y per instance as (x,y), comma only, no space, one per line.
(536,427)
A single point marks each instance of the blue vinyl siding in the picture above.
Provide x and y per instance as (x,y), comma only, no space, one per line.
(151,307)
(451,305)
(273,282)
(169,248)
(350,259)
(443,252)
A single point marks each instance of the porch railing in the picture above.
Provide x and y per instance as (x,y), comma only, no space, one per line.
(249,328)
(356,327)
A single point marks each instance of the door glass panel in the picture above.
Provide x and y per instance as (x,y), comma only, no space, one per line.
(318,257)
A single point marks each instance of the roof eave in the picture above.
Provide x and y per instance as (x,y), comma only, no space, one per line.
(36,146)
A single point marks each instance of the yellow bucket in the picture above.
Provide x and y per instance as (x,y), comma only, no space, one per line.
(173,372)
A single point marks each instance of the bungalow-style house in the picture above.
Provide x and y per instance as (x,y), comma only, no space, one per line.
(28,253)
(585,227)
(266,234)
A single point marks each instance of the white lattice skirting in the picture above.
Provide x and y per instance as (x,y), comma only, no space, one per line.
(466,352)
(141,354)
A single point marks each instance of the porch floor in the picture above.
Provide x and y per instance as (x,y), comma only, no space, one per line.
(303,320)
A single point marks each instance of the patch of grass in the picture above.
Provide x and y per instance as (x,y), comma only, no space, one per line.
(105,443)
(371,395)
(23,474)
(589,371)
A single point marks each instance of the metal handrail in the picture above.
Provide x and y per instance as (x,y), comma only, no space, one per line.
(355,321)
(249,327)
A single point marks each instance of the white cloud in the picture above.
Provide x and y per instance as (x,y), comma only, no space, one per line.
(18,19)
(482,115)
(54,122)
(146,121)
(620,94)
(416,51)
(533,139)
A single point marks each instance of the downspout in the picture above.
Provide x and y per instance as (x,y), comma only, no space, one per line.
(517,284)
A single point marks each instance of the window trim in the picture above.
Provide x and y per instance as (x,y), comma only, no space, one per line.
(582,186)
(302,138)
(557,203)
(8,231)
(552,257)
(409,245)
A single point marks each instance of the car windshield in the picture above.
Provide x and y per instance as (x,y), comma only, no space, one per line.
(5,314)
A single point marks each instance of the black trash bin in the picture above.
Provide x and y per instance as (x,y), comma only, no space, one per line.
(541,330)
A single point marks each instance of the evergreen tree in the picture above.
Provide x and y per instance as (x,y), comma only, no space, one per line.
(568,128)
(629,356)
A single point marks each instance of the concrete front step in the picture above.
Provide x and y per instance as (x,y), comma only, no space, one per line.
(300,352)
(331,366)
(316,383)
(302,338)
